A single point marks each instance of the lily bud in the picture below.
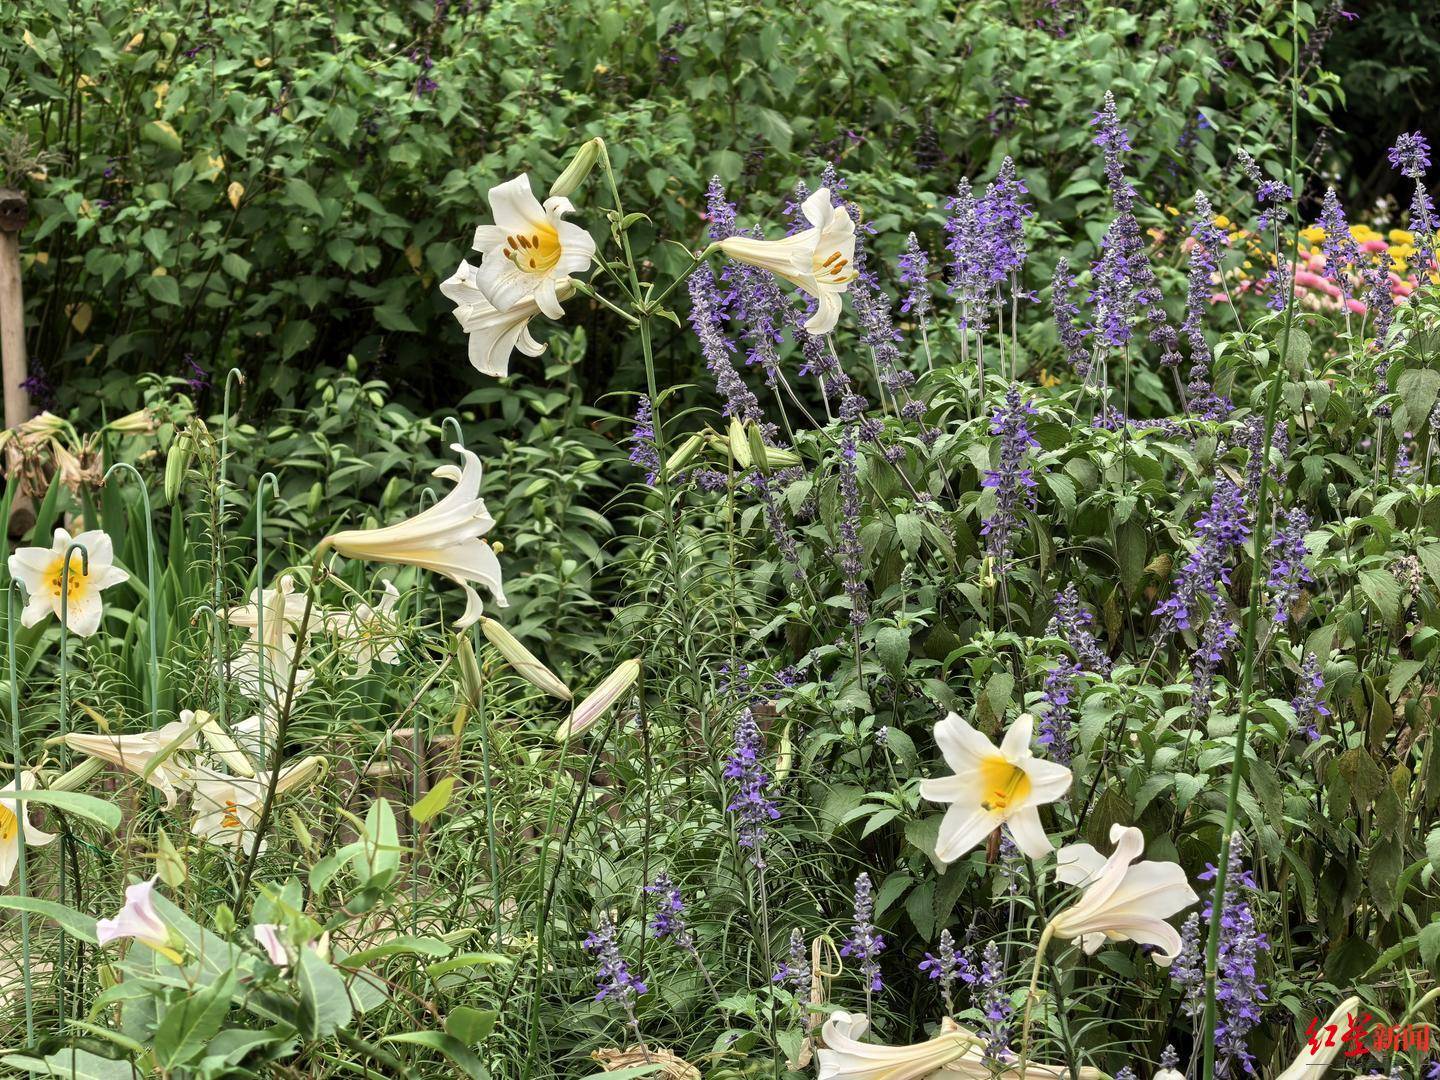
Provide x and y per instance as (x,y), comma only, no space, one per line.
(758,450)
(685,454)
(600,700)
(140,422)
(578,170)
(740,444)
(472,683)
(176,462)
(525,663)
(225,748)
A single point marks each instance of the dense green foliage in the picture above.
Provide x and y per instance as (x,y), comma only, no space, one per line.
(277,185)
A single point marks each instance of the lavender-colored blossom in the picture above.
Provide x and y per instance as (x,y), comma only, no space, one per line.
(1381,304)
(1307,705)
(1013,483)
(613,979)
(794,971)
(1114,139)
(1272,196)
(1251,437)
(1239,993)
(751,296)
(1064,310)
(995,1003)
(1224,526)
(752,805)
(1288,571)
(1054,729)
(1169,1057)
(865,942)
(1072,621)
(944,968)
(1341,250)
(849,552)
(643,451)
(1126,1073)
(969,271)
(669,919)
(707,319)
(1001,216)
(1411,155)
(1216,639)
(1205,253)
(915,277)
(1188,970)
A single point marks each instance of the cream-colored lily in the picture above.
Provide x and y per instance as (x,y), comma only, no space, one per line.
(495,334)
(42,572)
(992,786)
(227,808)
(530,251)
(138,752)
(445,539)
(368,633)
(281,602)
(1314,1058)
(13,816)
(1124,900)
(844,1057)
(819,260)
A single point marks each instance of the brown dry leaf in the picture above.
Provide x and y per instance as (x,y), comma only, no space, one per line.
(675,1068)
(235,192)
(80,315)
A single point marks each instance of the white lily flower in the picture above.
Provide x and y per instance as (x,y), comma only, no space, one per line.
(138,919)
(268,688)
(13,815)
(1169,1074)
(992,786)
(268,937)
(531,250)
(281,602)
(1315,1056)
(254,736)
(844,1057)
(369,634)
(227,808)
(819,260)
(135,752)
(446,539)
(1123,900)
(495,334)
(41,571)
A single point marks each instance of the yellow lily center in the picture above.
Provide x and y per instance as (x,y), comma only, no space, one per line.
(55,576)
(1003,784)
(534,252)
(230,819)
(834,269)
(9,824)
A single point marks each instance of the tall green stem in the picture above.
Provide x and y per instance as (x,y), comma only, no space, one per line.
(152,604)
(66,840)
(21,812)
(1247,671)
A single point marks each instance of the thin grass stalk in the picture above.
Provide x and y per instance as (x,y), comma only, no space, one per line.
(151,604)
(66,840)
(282,725)
(217,527)
(1247,672)
(21,872)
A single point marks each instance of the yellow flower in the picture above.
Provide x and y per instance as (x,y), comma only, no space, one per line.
(1401,236)
(1221,221)
(1313,235)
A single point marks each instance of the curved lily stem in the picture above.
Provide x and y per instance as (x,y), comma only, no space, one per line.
(453,422)
(66,840)
(282,725)
(261,646)
(1030,996)
(237,377)
(152,602)
(22,814)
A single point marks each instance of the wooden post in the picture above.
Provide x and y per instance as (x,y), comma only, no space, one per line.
(13,366)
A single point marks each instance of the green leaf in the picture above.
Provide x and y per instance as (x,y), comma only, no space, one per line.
(892,644)
(1430,943)
(435,800)
(342,120)
(236,266)
(1383,591)
(381,845)
(470,1026)
(324,996)
(73,802)
(451,1047)
(162,134)
(75,923)
(188,1025)
(303,195)
(75,1064)
(162,287)
(466,960)
(410,946)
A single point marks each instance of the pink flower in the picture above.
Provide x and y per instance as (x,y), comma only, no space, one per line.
(268,935)
(138,919)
